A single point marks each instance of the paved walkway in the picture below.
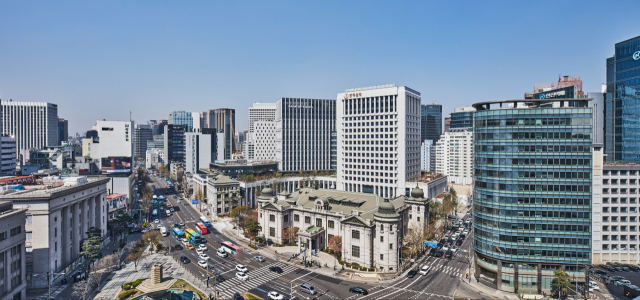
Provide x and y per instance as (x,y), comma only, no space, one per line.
(171,268)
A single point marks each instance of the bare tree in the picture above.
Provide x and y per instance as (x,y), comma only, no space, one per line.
(335,245)
(82,289)
(290,233)
(136,255)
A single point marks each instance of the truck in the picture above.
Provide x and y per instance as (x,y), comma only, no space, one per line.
(163,231)
(631,291)
(154,213)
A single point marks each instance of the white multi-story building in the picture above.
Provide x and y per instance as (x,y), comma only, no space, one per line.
(372,227)
(33,124)
(304,130)
(615,211)
(154,157)
(378,139)
(199,150)
(260,112)
(13,271)
(8,154)
(57,219)
(454,155)
(427,156)
(248,150)
(265,140)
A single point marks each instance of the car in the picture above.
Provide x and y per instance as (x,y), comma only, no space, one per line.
(439,253)
(156,221)
(459,243)
(184,259)
(176,225)
(241,268)
(219,278)
(275,269)
(184,241)
(259,258)
(465,232)
(202,263)
(189,246)
(221,253)
(204,256)
(171,209)
(445,248)
(358,290)
(412,273)
(237,296)
(448,254)
(275,296)
(624,282)
(134,230)
(178,247)
(307,288)
(462,236)
(202,247)
(433,252)
(242,276)
(454,249)
(204,241)
(424,270)
(593,286)
(181,223)
(160,226)
(599,272)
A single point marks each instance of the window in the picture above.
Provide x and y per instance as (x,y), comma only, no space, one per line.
(272,218)
(56,247)
(29,219)
(3,236)
(318,222)
(29,236)
(296,218)
(390,246)
(286,218)
(330,224)
(272,231)
(16,230)
(55,232)
(355,234)
(381,256)
(307,220)
(381,239)
(355,251)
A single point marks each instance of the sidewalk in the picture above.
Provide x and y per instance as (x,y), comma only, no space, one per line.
(473,283)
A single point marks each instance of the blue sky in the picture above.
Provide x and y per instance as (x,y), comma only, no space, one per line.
(102,59)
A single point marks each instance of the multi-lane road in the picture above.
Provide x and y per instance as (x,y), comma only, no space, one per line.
(444,279)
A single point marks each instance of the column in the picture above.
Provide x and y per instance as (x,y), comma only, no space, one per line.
(498,275)
(539,269)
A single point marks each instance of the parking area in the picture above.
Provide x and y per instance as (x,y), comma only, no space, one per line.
(613,278)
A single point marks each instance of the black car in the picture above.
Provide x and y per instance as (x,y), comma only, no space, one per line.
(134,230)
(358,290)
(439,253)
(276,269)
(237,296)
(204,241)
(412,273)
(176,225)
(448,254)
(219,278)
(462,236)
(458,243)
(634,268)
(178,247)
(184,259)
(432,252)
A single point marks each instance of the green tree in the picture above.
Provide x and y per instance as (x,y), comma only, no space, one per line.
(123,220)
(561,281)
(91,245)
(253,228)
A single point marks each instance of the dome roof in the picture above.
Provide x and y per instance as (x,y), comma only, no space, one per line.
(266,192)
(386,209)
(417,192)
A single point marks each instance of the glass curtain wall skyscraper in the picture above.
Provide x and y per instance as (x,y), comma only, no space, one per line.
(462,117)
(430,122)
(622,102)
(532,192)
(182,118)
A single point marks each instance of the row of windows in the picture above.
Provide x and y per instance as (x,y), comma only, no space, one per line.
(534,122)
(536,200)
(621,181)
(622,237)
(622,200)
(586,162)
(533,187)
(370,105)
(533,148)
(621,209)
(536,227)
(533,213)
(569,255)
(622,247)
(621,219)
(572,226)
(529,135)
(532,174)
(621,191)
(622,228)
(16,230)
(619,173)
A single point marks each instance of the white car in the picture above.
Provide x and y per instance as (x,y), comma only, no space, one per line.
(242,276)
(466,232)
(160,226)
(624,282)
(221,253)
(204,257)
(454,249)
(202,263)
(199,251)
(445,249)
(241,268)
(275,296)
(184,241)
(424,270)
(156,221)
(202,247)
(593,286)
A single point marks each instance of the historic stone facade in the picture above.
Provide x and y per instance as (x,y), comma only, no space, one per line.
(372,228)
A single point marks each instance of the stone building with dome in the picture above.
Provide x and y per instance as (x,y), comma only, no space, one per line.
(372,227)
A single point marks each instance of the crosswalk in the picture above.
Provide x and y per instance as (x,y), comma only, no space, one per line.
(256,278)
(434,266)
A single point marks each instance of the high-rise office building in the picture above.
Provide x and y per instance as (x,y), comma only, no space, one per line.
(33,124)
(141,135)
(264,140)
(156,143)
(8,155)
(63,131)
(303,133)
(532,192)
(378,139)
(462,117)
(447,123)
(430,122)
(224,121)
(622,139)
(427,156)
(174,143)
(182,118)
(261,112)
(454,155)
(200,150)
(598,114)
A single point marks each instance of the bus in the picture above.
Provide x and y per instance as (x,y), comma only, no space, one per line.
(192,236)
(163,231)
(179,234)
(205,222)
(200,228)
(230,247)
(154,214)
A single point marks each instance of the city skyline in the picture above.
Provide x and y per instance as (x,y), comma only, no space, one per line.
(209,64)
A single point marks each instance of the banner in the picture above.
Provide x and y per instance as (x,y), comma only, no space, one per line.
(194,201)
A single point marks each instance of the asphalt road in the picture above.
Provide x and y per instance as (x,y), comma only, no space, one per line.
(443,281)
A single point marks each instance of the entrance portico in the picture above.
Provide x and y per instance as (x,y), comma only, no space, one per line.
(313,238)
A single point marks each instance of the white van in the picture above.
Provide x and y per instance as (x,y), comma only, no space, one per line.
(168,212)
(164,232)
